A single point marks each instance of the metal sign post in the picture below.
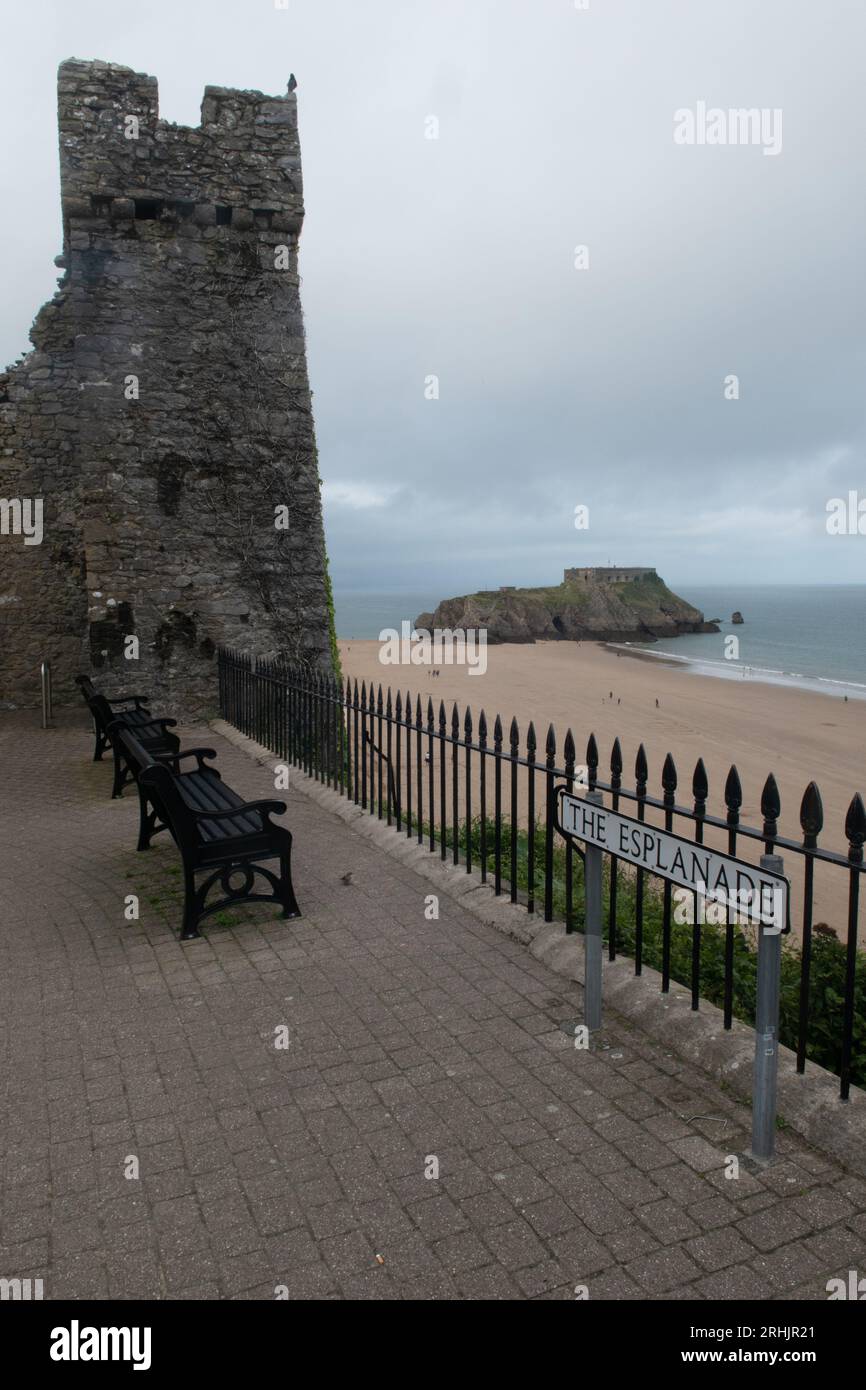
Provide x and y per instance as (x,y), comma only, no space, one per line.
(45,678)
(764,1082)
(592,941)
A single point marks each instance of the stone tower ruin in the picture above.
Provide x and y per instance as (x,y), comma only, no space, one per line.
(164,418)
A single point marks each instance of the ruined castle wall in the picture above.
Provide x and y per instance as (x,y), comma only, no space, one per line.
(166,410)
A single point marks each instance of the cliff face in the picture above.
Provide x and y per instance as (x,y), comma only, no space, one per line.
(637,611)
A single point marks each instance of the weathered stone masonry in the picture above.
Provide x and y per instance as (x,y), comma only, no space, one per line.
(159,509)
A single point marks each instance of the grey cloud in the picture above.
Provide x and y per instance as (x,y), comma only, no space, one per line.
(455,257)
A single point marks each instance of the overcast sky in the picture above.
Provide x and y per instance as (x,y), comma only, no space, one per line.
(456,257)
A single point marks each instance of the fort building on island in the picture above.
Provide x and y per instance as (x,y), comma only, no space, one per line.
(608,574)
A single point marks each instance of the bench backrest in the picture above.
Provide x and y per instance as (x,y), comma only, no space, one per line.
(87,688)
(111,722)
(160,785)
(100,707)
(136,755)
(101,710)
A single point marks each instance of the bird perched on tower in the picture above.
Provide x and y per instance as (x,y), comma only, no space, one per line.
(292,82)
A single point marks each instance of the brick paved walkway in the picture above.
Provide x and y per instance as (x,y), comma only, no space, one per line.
(409,1039)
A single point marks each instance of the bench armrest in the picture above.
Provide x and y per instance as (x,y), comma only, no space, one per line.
(199,753)
(136,729)
(265,808)
(137,700)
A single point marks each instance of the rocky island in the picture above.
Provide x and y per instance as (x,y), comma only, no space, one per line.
(612,604)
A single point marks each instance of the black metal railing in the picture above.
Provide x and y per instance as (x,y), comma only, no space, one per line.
(437,789)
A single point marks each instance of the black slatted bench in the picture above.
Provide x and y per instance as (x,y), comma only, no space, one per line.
(217,832)
(154,736)
(153,733)
(138,756)
(104,711)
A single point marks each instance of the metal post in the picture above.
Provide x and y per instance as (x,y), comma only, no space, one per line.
(764,1082)
(45,675)
(592,942)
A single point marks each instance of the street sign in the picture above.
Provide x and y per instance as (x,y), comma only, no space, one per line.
(758,896)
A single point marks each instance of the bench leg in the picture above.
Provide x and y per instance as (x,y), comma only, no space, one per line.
(117,785)
(146,822)
(287,897)
(189,930)
(100,745)
(121,775)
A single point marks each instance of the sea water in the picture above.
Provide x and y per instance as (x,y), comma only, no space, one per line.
(812,636)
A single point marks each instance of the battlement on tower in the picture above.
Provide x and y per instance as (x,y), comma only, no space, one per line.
(119,161)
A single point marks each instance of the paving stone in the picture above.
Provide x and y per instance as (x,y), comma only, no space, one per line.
(712,1212)
(667,1269)
(409,1257)
(787,1178)
(786,1268)
(632,1188)
(488,1209)
(775,1226)
(667,1126)
(309,1281)
(515,1245)
(438,1218)
(822,1208)
(631,1242)
(614,1284)
(551,1218)
(838,1245)
(719,1249)
(682,1184)
(580,1253)
(700,1154)
(738,1281)
(488,1284)
(370,1283)
(750,1206)
(461,1251)
(332,1220)
(542,1278)
(667,1221)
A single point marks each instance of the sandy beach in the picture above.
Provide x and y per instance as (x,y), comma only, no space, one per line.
(590,688)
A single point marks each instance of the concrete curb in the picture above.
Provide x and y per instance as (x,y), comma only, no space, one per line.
(809,1104)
